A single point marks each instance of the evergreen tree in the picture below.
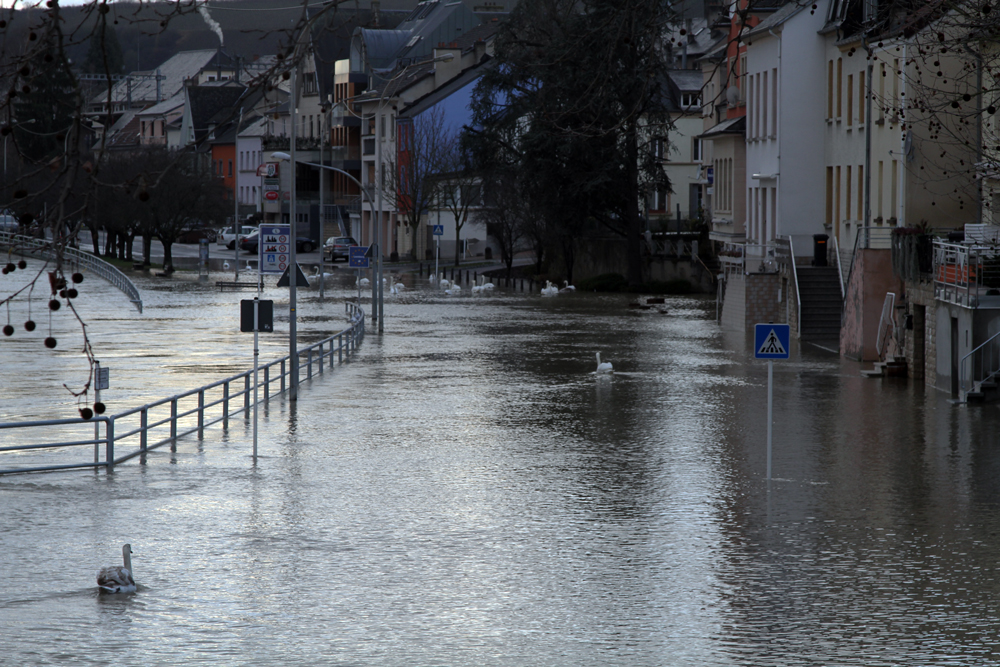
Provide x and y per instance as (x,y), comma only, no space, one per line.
(104,56)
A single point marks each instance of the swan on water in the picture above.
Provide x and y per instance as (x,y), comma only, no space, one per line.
(225,266)
(567,287)
(118,578)
(606,367)
(316,275)
(363,282)
(444,282)
(453,290)
(397,288)
(549,289)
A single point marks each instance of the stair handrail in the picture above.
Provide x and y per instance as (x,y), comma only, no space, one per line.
(840,268)
(795,277)
(962,376)
(885,322)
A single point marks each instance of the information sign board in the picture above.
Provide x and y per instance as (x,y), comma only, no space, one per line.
(771,341)
(357,257)
(438,230)
(273,248)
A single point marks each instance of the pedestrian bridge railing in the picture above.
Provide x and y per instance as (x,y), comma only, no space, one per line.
(29,245)
(118,438)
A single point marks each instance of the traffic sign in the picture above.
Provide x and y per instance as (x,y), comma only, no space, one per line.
(771,341)
(271,195)
(357,257)
(438,230)
(273,248)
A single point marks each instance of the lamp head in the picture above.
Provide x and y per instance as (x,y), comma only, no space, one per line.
(284,157)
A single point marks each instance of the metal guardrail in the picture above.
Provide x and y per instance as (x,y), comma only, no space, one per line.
(978,366)
(165,421)
(29,245)
(964,274)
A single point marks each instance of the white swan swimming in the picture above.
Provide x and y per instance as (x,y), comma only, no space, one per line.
(316,275)
(453,290)
(567,287)
(549,289)
(397,288)
(444,282)
(118,579)
(225,266)
(606,367)
(363,282)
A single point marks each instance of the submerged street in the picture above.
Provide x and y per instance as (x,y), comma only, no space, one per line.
(467,491)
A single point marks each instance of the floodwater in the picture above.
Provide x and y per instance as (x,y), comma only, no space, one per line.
(466,491)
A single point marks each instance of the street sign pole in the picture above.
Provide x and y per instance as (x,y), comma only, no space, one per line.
(770,418)
(438,233)
(771,341)
(256,352)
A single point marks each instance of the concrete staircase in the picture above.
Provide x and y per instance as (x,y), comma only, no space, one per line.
(891,367)
(822,304)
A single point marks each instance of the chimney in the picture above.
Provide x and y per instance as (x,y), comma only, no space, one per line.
(479,50)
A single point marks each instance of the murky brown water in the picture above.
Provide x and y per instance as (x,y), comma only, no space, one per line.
(467,491)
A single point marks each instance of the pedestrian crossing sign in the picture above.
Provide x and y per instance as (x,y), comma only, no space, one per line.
(771,341)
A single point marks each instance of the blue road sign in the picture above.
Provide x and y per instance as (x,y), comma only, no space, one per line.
(771,341)
(357,257)
(438,230)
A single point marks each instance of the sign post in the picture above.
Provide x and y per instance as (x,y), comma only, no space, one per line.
(357,258)
(438,233)
(256,316)
(771,341)
(101,377)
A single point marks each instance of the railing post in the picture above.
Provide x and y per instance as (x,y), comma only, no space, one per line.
(110,448)
(143,421)
(267,382)
(246,396)
(225,405)
(309,363)
(173,422)
(201,413)
(282,376)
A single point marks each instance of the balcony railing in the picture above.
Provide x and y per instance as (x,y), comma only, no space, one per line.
(967,275)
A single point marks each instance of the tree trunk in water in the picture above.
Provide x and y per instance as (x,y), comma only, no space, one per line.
(168,259)
(96,240)
(109,244)
(130,239)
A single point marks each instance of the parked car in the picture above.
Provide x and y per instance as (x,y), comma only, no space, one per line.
(338,247)
(302,244)
(196,234)
(229,239)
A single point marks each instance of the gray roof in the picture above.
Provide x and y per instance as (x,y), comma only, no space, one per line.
(430,24)
(166,106)
(174,70)
(777,18)
(687,80)
(736,125)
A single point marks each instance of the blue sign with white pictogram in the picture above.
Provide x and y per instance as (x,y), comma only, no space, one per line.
(771,341)
(357,257)
(438,230)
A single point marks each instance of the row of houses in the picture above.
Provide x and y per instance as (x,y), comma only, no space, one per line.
(824,126)
(361,76)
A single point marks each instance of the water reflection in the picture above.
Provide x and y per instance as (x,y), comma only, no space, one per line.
(467,491)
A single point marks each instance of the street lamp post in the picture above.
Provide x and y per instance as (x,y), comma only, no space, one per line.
(293,391)
(377,214)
